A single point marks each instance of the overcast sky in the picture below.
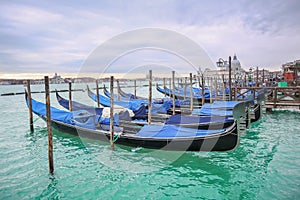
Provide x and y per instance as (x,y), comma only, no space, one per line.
(58,36)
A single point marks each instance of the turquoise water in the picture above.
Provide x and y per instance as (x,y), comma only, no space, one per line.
(264,166)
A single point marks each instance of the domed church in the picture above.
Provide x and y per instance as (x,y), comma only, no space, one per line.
(236,68)
(235,64)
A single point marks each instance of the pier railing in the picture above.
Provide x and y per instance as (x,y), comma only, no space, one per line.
(276,97)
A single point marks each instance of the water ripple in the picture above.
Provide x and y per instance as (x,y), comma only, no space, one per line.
(264,166)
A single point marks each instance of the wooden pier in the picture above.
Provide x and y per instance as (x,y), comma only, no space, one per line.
(283,97)
(276,97)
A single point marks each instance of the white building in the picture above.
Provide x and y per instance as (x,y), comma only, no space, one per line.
(237,72)
(57,79)
(236,68)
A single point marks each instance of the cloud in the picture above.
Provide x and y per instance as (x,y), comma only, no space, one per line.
(272,17)
(59,36)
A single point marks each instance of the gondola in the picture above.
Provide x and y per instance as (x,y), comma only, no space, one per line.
(254,108)
(132,104)
(197,97)
(123,97)
(166,137)
(156,103)
(200,122)
(239,108)
(257,108)
(127,95)
(139,109)
(223,110)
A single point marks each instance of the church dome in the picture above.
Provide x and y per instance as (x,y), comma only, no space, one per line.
(235,63)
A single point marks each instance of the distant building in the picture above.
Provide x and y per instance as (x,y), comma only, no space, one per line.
(262,75)
(37,81)
(237,72)
(84,80)
(5,82)
(291,70)
(275,75)
(11,81)
(236,68)
(57,79)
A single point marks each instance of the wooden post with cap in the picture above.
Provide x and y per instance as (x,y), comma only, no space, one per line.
(150,97)
(49,128)
(30,106)
(111,123)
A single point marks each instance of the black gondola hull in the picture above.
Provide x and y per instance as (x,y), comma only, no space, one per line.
(224,141)
(257,113)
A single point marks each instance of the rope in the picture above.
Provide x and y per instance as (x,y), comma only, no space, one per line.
(116,137)
(34,121)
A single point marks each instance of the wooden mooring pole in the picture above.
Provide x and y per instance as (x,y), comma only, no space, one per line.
(211,90)
(70,96)
(49,128)
(150,97)
(191,92)
(173,91)
(30,106)
(202,89)
(216,88)
(263,76)
(97,92)
(111,123)
(165,87)
(185,82)
(235,93)
(224,87)
(230,91)
(257,84)
(180,82)
(134,89)
(118,89)
(275,97)
(170,87)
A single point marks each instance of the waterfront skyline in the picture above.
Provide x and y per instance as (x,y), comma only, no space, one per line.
(49,36)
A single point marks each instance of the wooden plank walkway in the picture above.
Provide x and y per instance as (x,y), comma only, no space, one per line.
(276,97)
